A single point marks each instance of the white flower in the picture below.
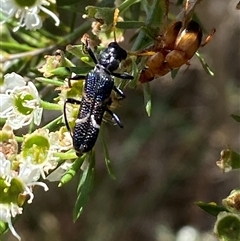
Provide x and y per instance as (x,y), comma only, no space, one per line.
(27,12)
(9,208)
(7,212)
(15,186)
(20,104)
(38,151)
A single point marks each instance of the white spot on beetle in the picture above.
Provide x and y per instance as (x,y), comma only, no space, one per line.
(82,120)
(95,124)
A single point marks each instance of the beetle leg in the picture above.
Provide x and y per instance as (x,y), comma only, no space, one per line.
(115,118)
(119,92)
(90,52)
(75,77)
(122,75)
(71,101)
(78,77)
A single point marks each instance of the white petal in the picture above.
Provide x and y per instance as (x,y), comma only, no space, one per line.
(12,80)
(57,174)
(51,14)
(12,229)
(6,212)
(37,115)
(5,166)
(5,105)
(33,90)
(28,173)
(32,21)
(17,120)
(8,8)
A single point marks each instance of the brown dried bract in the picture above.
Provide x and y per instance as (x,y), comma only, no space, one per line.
(174,48)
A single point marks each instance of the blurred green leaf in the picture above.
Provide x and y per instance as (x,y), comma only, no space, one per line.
(106,156)
(3,228)
(211,208)
(147,98)
(61,72)
(76,50)
(236,117)
(127,4)
(133,83)
(50,106)
(204,64)
(14,46)
(130,25)
(174,73)
(71,172)
(85,186)
(66,2)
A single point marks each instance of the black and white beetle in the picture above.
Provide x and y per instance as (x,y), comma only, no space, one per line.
(99,84)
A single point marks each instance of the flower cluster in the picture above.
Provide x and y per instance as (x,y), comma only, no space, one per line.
(27,12)
(20,171)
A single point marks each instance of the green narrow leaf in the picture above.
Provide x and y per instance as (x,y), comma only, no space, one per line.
(49,81)
(69,155)
(147,98)
(106,156)
(61,72)
(236,117)
(50,106)
(36,41)
(72,171)
(76,50)
(15,46)
(85,186)
(205,65)
(130,24)
(134,10)
(133,83)
(174,73)
(211,208)
(127,4)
